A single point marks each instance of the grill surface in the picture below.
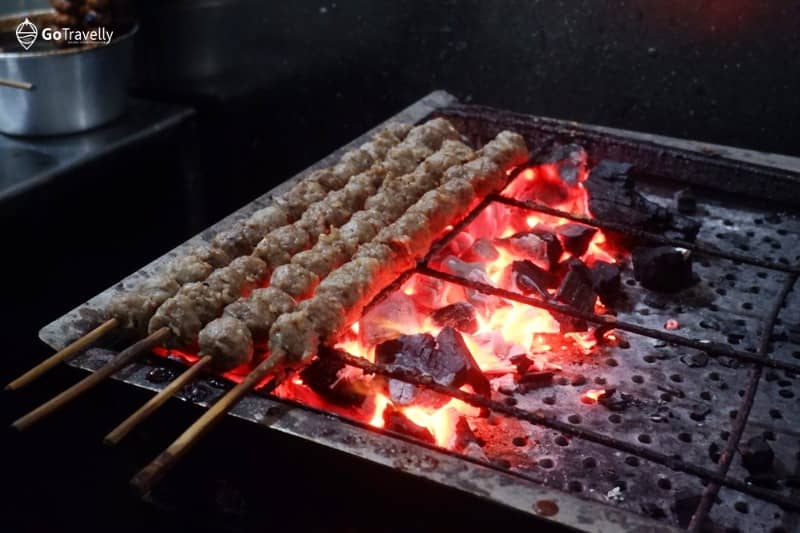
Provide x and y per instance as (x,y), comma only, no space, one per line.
(587,466)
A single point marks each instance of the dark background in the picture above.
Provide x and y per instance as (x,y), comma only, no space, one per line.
(277,85)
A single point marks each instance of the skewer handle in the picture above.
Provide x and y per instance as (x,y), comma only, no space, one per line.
(61,355)
(122,359)
(147,477)
(16,84)
(144,412)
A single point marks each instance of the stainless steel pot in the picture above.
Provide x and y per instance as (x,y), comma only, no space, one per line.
(61,90)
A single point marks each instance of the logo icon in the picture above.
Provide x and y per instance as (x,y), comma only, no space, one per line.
(27,33)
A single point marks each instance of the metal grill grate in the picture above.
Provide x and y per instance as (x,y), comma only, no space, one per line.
(757,360)
(547,443)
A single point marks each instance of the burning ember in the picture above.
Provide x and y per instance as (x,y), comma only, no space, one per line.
(464,338)
(593,395)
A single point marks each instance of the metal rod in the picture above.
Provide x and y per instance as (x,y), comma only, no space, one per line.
(65,353)
(652,237)
(711,348)
(675,463)
(728,453)
(121,360)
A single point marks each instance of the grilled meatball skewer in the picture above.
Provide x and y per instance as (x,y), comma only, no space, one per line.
(340,298)
(228,341)
(197,304)
(229,338)
(245,323)
(364,277)
(133,309)
(301,276)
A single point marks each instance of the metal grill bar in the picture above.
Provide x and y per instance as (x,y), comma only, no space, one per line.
(674,463)
(644,235)
(728,453)
(711,348)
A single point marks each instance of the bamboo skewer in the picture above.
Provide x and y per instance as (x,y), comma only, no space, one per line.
(65,353)
(121,360)
(147,477)
(27,86)
(144,412)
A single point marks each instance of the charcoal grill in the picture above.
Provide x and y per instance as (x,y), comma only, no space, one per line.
(670,459)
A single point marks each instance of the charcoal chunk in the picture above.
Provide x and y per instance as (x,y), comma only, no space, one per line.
(481,251)
(560,270)
(446,359)
(405,350)
(576,291)
(530,278)
(613,198)
(394,420)
(682,227)
(554,248)
(529,245)
(685,202)
(534,380)
(575,238)
(395,315)
(757,454)
(664,268)
(460,315)
(409,352)
(569,160)
(322,376)
(606,281)
(453,357)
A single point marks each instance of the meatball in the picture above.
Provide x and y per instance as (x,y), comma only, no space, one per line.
(260,309)
(189,268)
(294,280)
(227,340)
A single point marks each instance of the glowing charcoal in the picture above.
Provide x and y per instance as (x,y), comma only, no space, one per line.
(530,278)
(569,161)
(575,238)
(459,315)
(323,377)
(395,420)
(576,291)
(452,357)
(481,251)
(396,315)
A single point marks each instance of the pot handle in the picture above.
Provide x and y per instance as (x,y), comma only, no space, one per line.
(16,84)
